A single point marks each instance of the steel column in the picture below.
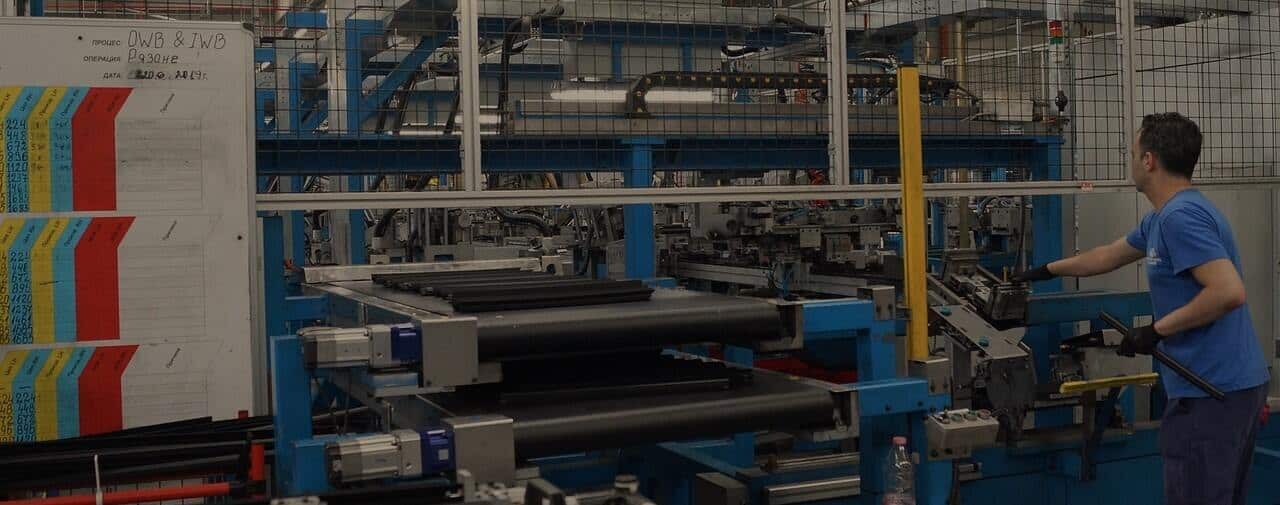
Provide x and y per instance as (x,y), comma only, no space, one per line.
(291,408)
(359,254)
(1125,20)
(838,90)
(274,289)
(638,218)
(469,91)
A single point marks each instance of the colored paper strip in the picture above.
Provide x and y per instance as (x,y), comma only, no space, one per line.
(24,396)
(9,230)
(16,151)
(101,408)
(93,149)
(60,147)
(97,279)
(20,282)
(10,366)
(47,394)
(69,392)
(8,96)
(39,158)
(64,280)
(42,302)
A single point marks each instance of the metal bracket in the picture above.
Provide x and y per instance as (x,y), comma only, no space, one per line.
(896,396)
(485,446)
(450,356)
(936,371)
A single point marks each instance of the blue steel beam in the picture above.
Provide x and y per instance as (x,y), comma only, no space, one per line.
(1085,306)
(375,100)
(306,308)
(264,55)
(306,19)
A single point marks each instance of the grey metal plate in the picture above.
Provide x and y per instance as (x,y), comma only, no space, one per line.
(1001,344)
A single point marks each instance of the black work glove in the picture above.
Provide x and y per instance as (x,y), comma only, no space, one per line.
(1140,340)
(1037,274)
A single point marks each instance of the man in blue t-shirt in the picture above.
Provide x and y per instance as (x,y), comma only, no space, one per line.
(1200,317)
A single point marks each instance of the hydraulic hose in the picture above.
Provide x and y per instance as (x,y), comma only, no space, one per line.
(512,217)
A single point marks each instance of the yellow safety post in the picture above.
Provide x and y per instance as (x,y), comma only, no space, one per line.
(913,228)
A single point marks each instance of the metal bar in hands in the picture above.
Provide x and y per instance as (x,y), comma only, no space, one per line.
(1168,361)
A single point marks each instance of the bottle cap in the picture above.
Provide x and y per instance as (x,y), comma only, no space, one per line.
(900,441)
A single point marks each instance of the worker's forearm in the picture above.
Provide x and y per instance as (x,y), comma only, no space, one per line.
(1207,307)
(1086,264)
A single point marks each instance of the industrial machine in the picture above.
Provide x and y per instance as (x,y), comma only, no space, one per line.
(502,369)
(782,246)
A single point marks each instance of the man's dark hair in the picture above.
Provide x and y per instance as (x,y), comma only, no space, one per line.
(1173,139)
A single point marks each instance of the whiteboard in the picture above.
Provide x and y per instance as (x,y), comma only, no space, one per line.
(126,224)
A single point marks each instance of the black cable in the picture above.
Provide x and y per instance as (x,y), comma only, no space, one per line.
(520,26)
(380,228)
(455,106)
(1022,236)
(734,53)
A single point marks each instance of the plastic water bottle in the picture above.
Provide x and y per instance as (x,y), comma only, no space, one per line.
(900,475)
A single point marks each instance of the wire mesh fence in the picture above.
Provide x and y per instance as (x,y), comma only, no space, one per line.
(697,93)
(1218,67)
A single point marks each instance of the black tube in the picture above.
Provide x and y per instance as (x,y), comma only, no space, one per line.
(434,491)
(508,48)
(1186,373)
(597,328)
(632,421)
(1168,361)
(520,218)
(224,464)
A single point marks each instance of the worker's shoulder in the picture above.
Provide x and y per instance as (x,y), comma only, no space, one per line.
(1192,215)
(1191,205)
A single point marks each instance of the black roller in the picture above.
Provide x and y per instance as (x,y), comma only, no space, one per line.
(667,320)
(560,295)
(668,317)
(770,403)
